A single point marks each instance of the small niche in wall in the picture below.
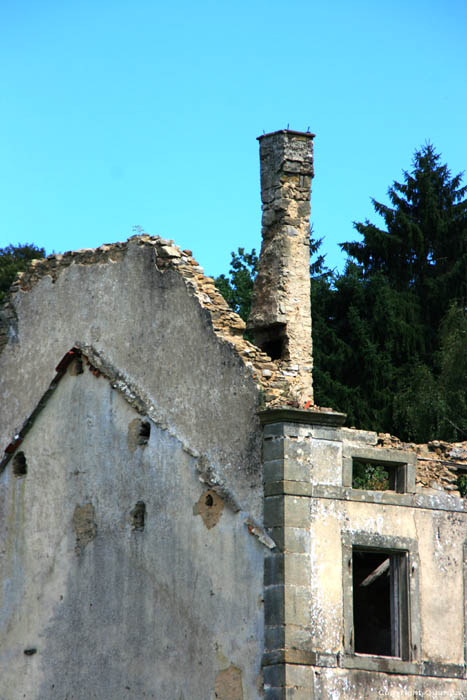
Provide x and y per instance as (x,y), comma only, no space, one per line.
(76,367)
(273,341)
(138,516)
(138,434)
(144,433)
(20,467)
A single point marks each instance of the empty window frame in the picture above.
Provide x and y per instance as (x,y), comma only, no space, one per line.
(378,476)
(376,469)
(380,602)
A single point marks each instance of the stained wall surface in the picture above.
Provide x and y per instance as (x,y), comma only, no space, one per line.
(98,601)
(318,521)
(149,325)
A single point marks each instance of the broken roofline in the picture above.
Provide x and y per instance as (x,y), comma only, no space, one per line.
(274,384)
(27,425)
(279,384)
(99,367)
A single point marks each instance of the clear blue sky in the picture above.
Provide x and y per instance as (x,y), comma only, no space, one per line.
(117,113)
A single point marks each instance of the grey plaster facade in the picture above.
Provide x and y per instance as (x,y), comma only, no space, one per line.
(90,605)
(178,520)
(317,522)
(110,608)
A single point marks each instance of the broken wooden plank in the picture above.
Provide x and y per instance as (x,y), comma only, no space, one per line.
(376,573)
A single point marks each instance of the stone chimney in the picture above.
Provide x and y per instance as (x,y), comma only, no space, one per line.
(280,318)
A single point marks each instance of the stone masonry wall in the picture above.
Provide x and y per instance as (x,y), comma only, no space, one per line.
(438,462)
(280,318)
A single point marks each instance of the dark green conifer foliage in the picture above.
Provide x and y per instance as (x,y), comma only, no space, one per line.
(391,308)
(390,332)
(423,250)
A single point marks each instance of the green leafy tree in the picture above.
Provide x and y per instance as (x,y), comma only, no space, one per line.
(15,259)
(366,475)
(237,287)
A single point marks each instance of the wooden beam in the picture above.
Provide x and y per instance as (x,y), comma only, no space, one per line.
(376,573)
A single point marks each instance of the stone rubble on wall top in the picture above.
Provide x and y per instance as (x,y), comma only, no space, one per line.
(278,385)
(277,382)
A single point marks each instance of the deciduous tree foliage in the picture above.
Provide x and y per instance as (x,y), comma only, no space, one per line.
(237,288)
(390,332)
(15,259)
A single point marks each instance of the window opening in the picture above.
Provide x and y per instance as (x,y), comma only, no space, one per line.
(377,476)
(380,602)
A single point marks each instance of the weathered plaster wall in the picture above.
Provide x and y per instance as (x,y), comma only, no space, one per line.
(342,684)
(103,608)
(315,519)
(147,322)
(440,536)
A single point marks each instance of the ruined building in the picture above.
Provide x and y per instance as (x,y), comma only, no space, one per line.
(177,517)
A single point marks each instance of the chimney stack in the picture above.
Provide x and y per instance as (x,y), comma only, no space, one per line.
(280,318)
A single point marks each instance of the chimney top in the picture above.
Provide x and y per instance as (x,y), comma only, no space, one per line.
(286,131)
(280,317)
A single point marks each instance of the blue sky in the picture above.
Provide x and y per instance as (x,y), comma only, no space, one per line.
(117,114)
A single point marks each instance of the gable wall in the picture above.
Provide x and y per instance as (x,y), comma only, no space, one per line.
(150,325)
(171,611)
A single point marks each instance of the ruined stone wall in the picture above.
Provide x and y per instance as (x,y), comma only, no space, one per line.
(90,599)
(278,383)
(439,463)
(129,302)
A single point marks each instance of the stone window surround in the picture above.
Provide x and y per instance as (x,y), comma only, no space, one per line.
(404,463)
(394,544)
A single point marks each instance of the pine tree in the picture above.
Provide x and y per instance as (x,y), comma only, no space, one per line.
(391,304)
(423,250)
